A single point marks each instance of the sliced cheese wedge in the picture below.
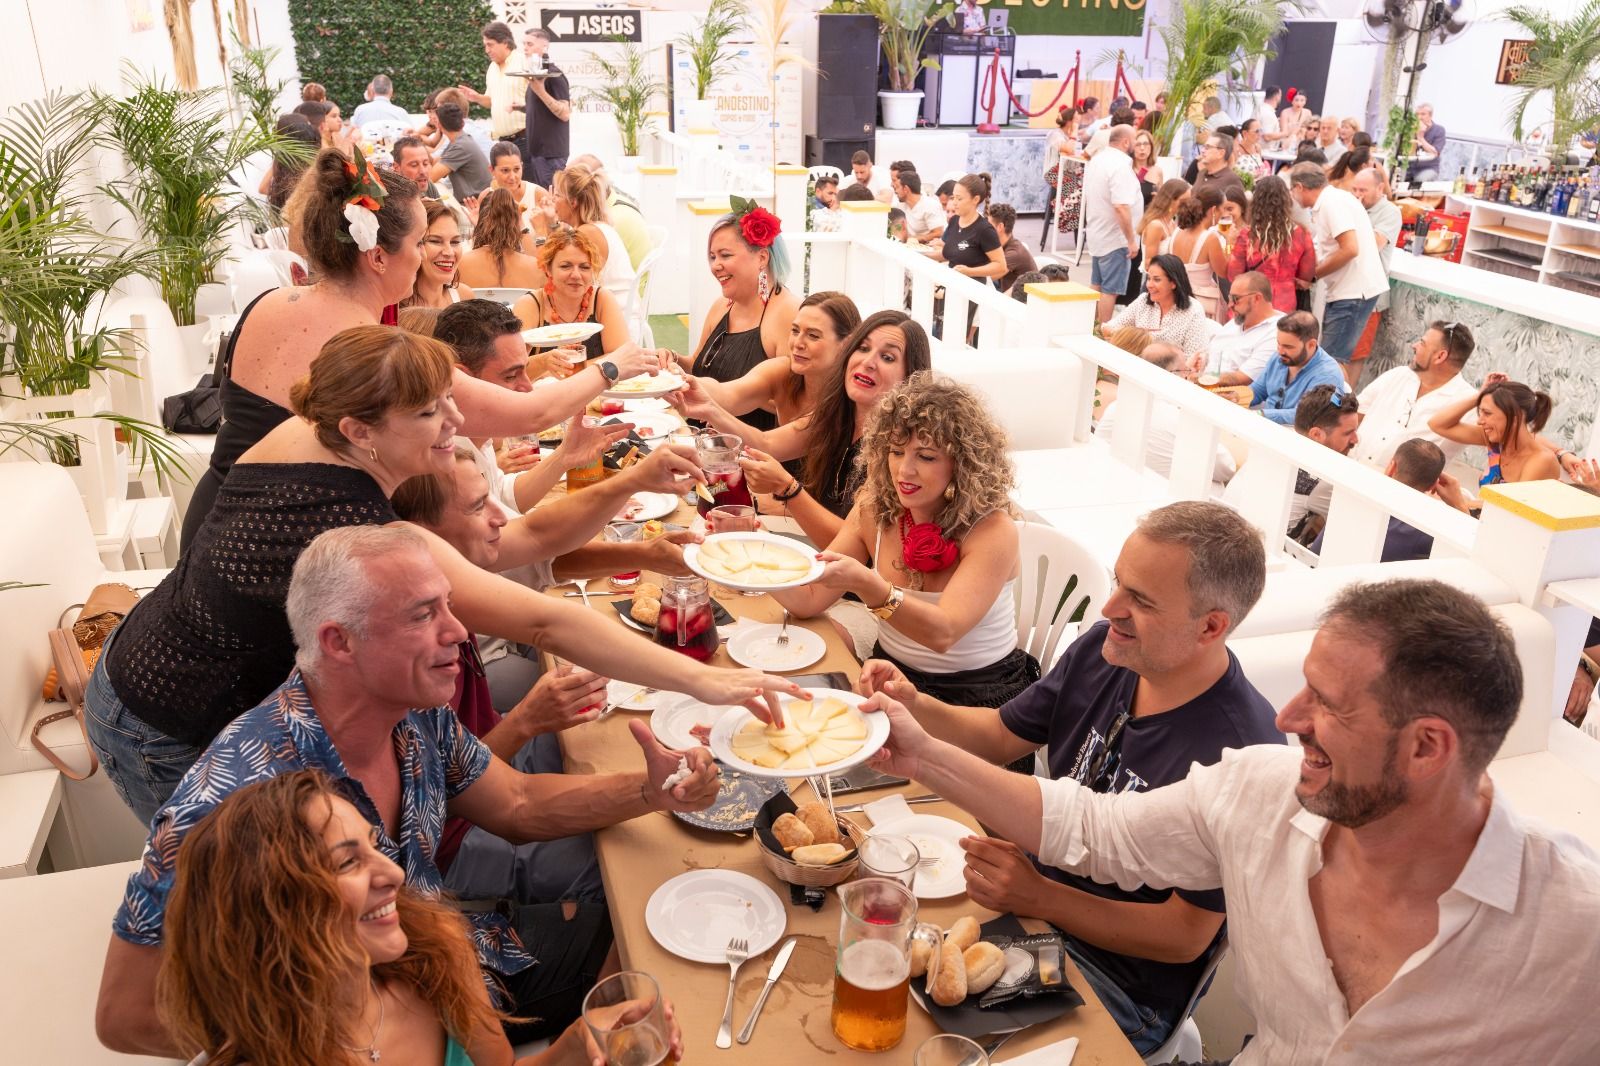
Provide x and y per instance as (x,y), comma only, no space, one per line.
(848,729)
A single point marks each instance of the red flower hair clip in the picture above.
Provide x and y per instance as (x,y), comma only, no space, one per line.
(757,225)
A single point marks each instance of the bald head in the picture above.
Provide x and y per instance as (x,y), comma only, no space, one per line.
(1161,354)
(1121,137)
(1253,281)
(588,160)
(1368,187)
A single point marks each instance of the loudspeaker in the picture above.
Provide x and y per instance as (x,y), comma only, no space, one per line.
(847,75)
(835,152)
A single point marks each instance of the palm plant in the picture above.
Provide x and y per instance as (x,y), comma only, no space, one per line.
(1207,39)
(56,271)
(1561,62)
(707,46)
(180,149)
(628,86)
(254,86)
(903,27)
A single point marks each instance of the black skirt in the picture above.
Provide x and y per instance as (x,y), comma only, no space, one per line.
(994,685)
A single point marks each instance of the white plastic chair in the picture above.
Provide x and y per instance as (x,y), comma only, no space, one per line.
(637,309)
(825,171)
(1061,590)
(507,296)
(1184,1044)
(261,269)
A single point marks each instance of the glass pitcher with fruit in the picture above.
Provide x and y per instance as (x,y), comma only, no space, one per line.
(685,623)
(719,458)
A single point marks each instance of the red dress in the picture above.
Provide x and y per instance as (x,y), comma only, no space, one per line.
(1297,259)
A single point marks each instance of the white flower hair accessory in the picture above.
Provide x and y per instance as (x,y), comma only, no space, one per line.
(363,226)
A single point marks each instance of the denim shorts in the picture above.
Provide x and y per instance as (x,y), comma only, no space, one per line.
(1144,1027)
(1342,323)
(143,763)
(1109,272)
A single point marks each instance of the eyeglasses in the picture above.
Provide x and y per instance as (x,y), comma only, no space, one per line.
(1104,768)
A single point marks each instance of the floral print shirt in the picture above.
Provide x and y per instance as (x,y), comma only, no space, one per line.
(439,759)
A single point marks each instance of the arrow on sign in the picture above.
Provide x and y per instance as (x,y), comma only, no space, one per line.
(562,24)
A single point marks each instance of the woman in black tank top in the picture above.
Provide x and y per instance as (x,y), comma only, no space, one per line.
(748,260)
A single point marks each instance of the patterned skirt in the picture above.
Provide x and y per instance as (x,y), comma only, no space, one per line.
(1071,203)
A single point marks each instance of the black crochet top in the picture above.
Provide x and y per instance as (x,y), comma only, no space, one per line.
(212,640)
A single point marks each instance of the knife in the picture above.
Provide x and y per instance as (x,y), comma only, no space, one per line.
(772,978)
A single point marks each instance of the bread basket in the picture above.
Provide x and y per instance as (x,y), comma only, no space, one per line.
(790,872)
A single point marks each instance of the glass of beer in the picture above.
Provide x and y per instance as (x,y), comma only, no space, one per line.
(624,1014)
(872,976)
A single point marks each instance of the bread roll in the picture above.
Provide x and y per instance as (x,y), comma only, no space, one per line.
(818,854)
(791,832)
(949,985)
(984,965)
(824,828)
(647,590)
(645,612)
(965,932)
(920,950)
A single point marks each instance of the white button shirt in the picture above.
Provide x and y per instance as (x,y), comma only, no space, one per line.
(1508,978)
(1391,412)
(1245,350)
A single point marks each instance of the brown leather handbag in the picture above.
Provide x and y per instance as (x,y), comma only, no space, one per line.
(74,649)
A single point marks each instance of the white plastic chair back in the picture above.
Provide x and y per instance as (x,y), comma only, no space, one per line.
(1060,591)
(824,171)
(261,269)
(1184,1043)
(507,296)
(637,309)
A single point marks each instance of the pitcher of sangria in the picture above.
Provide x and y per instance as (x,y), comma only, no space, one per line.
(719,458)
(872,976)
(685,623)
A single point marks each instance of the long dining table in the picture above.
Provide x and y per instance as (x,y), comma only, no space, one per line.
(637,857)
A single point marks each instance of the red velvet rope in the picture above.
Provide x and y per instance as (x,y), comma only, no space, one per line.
(989,86)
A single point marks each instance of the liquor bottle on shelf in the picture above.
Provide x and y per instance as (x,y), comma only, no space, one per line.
(1508,189)
(1575,196)
(1460,185)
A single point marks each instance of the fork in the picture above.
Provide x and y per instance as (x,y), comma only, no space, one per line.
(738,951)
(783,631)
(994,1045)
(583,588)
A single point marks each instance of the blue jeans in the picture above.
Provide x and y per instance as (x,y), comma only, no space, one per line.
(143,763)
(1109,272)
(1342,323)
(1145,1029)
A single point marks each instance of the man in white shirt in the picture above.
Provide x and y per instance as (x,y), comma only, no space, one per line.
(1372,189)
(1347,258)
(1244,347)
(1161,437)
(1397,405)
(1385,903)
(1111,195)
(925,219)
(865,174)
(1267,114)
(501,90)
(380,108)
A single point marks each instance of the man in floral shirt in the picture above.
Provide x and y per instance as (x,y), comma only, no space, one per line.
(376,640)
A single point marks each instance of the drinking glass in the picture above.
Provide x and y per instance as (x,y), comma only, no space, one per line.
(733,518)
(624,533)
(892,857)
(719,458)
(948,1049)
(624,1014)
(872,976)
(581,477)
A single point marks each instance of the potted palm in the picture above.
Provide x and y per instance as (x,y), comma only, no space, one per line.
(903,28)
(179,149)
(57,271)
(1206,40)
(628,86)
(708,53)
(1561,62)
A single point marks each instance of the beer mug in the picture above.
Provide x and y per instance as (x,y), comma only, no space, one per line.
(872,976)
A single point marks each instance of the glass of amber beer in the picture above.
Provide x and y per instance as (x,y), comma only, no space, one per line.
(872,975)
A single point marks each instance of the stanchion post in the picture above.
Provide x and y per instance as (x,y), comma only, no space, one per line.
(988,124)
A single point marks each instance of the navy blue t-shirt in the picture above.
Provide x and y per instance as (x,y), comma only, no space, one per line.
(1073,709)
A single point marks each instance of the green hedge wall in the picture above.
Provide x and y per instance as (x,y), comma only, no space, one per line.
(422,44)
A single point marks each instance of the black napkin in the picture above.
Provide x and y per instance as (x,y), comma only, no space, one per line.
(968,1019)
(719,613)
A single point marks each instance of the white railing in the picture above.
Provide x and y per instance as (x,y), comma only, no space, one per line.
(704,169)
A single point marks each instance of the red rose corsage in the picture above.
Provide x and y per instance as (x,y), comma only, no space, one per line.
(924,547)
(758,226)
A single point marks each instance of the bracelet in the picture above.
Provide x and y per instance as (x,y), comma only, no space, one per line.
(897,596)
(789,493)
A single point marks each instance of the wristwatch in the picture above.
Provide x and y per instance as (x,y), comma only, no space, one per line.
(897,595)
(609,371)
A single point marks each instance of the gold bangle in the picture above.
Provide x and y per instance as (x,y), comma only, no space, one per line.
(897,596)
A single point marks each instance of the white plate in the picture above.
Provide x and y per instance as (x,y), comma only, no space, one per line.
(559,334)
(646,405)
(645,385)
(735,717)
(757,646)
(676,714)
(651,505)
(935,838)
(639,699)
(653,426)
(694,915)
(691,559)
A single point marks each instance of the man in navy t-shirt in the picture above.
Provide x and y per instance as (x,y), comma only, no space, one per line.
(1129,706)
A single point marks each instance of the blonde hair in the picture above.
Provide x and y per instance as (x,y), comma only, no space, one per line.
(950,416)
(586,191)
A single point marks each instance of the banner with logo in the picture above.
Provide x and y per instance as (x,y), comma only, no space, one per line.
(1072,18)
(747,105)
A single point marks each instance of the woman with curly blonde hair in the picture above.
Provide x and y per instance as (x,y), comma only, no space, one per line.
(930,546)
(291,939)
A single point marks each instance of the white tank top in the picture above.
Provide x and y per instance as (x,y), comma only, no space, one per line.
(992,639)
(618,274)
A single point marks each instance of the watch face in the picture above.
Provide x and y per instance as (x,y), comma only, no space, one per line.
(609,369)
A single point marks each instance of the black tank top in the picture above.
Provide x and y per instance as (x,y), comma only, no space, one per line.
(593,347)
(246,417)
(730,356)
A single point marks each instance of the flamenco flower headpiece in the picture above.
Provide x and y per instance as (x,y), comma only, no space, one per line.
(363,201)
(757,225)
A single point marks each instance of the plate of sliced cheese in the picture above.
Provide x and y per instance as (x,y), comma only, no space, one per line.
(826,732)
(753,562)
(645,385)
(559,333)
